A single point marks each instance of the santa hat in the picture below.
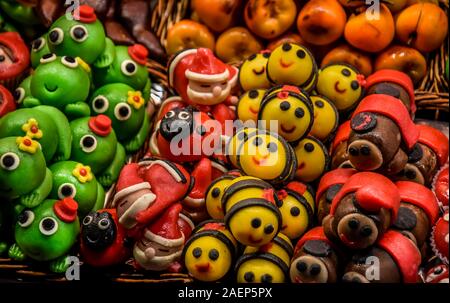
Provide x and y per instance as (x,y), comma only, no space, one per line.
(404,252)
(397,77)
(435,140)
(66,209)
(337,176)
(342,134)
(129,182)
(315,233)
(202,174)
(165,230)
(373,192)
(100,125)
(395,110)
(420,196)
(205,67)
(84,13)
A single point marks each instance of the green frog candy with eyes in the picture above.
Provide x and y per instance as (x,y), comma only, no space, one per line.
(22,91)
(82,36)
(126,109)
(75,180)
(95,144)
(128,67)
(47,233)
(39,47)
(44,124)
(24,176)
(61,82)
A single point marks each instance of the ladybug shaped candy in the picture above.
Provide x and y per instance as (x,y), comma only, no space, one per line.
(439,238)
(362,210)
(418,212)
(393,83)
(382,135)
(398,257)
(338,150)
(329,186)
(427,156)
(315,260)
(103,240)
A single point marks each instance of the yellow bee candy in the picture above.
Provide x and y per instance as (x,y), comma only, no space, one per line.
(326,118)
(252,73)
(235,142)
(312,158)
(280,246)
(248,106)
(292,64)
(341,84)
(261,268)
(214,193)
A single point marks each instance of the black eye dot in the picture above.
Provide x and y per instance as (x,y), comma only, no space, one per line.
(201,130)
(346,72)
(213,254)
(48,224)
(266,55)
(16,94)
(410,174)
(272,147)
(258,141)
(197,252)
(242,136)
(69,59)
(266,278)
(47,56)
(301,266)
(99,103)
(256,222)
(8,161)
(295,211)
(2,58)
(309,147)
(53,36)
(285,105)
(286,47)
(79,32)
(215,192)
(438,270)
(23,217)
(36,43)
(279,203)
(269,229)
(252,57)
(354,85)
(253,94)
(66,190)
(319,103)
(299,112)
(301,54)
(88,142)
(130,67)
(124,111)
(249,276)
(315,270)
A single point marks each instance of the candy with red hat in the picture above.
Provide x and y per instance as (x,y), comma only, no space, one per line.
(382,135)
(439,238)
(162,242)
(395,256)
(362,210)
(316,259)
(428,155)
(393,83)
(46,233)
(328,187)
(94,143)
(103,240)
(82,36)
(418,212)
(338,148)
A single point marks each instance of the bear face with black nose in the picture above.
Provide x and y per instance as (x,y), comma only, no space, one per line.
(393,259)
(362,210)
(382,135)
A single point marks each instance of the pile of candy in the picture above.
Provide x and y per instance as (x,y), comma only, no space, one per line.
(273,171)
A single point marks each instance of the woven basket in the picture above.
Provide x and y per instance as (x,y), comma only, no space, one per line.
(432,100)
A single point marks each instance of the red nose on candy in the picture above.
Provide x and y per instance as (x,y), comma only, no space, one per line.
(100,125)
(139,53)
(66,209)
(85,14)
